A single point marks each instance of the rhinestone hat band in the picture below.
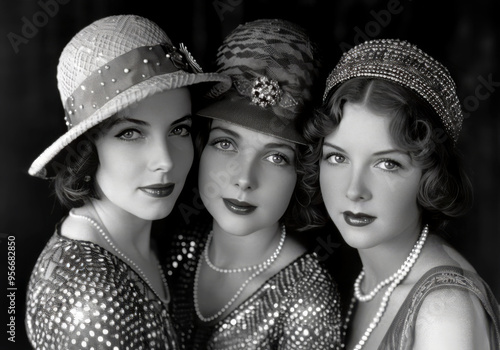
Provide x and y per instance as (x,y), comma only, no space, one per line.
(407,65)
(122,73)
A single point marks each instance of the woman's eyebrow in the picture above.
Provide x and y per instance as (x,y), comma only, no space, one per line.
(227,131)
(388,151)
(334,146)
(279,145)
(188,117)
(121,120)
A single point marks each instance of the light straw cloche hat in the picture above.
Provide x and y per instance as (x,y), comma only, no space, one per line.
(114,63)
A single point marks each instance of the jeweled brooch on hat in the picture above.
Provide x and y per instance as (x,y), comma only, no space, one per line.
(265,92)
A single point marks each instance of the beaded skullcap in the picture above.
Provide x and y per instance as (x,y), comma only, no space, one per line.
(407,65)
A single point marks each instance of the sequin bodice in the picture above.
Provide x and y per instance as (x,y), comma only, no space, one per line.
(298,308)
(80,296)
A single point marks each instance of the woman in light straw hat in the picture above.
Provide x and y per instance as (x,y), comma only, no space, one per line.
(390,179)
(121,164)
(244,279)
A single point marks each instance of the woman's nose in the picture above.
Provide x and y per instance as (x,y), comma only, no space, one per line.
(246,178)
(161,158)
(358,189)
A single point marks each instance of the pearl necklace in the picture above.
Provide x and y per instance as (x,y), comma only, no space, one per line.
(127,259)
(395,281)
(262,268)
(367,297)
(269,261)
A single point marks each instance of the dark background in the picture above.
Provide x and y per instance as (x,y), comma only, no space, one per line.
(463,35)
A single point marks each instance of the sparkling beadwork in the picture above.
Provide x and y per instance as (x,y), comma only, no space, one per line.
(272,313)
(259,267)
(90,297)
(407,65)
(265,92)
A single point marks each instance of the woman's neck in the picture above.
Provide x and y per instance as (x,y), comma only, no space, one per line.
(385,259)
(130,233)
(228,250)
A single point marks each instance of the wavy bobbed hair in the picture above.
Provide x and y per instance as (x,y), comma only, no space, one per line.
(445,191)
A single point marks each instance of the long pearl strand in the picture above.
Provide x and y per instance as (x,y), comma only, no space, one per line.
(367,297)
(126,258)
(261,269)
(396,280)
(268,262)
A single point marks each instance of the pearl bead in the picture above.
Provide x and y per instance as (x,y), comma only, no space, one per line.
(260,268)
(246,268)
(394,281)
(126,258)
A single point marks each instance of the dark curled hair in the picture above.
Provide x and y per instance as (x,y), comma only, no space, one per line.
(445,191)
(79,160)
(300,215)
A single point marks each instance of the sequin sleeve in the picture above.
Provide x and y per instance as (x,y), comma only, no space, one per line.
(83,297)
(313,319)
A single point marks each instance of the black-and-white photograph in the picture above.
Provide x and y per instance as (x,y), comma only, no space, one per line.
(258,175)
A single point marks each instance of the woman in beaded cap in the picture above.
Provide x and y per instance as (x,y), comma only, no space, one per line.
(243,279)
(390,178)
(122,164)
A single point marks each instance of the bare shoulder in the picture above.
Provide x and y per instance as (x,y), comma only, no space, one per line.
(438,252)
(451,319)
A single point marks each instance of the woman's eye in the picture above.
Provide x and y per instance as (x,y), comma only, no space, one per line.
(181,130)
(335,158)
(277,159)
(129,135)
(224,145)
(388,165)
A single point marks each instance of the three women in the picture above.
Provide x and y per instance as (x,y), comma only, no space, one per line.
(387,182)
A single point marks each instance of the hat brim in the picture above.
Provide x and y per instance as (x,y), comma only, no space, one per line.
(123,100)
(238,110)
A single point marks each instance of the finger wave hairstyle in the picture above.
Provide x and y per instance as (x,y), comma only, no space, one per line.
(445,191)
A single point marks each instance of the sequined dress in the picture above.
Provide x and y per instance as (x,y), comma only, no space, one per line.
(297,308)
(80,296)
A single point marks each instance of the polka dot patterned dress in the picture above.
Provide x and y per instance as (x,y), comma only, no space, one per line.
(81,296)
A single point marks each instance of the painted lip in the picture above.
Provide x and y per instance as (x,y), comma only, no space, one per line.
(238,207)
(158,190)
(359,219)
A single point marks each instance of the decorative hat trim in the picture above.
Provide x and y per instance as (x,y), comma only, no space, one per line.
(403,63)
(122,73)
